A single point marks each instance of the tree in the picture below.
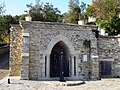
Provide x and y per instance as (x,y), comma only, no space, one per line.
(105,12)
(113,27)
(45,12)
(104,9)
(22,17)
(73,15)
(72,5)
(50,13)
(82,15)
(2,10)
(5,22)
(89,11)
(76,12)
(35,12)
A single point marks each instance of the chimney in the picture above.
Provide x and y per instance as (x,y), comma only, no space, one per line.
(91,19)
(28,18)
(81,22)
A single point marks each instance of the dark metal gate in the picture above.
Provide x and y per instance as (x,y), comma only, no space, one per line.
(59,60)
(105,68)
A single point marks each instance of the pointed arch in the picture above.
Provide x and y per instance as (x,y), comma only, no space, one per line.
(56,40)
(59,60)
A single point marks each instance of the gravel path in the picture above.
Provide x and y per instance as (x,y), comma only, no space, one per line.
(104,84)
(17,84)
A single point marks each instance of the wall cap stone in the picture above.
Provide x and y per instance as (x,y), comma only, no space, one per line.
(25,54)
(14,26)
(25,34)
(54,25)
(109,37)
(108,59)
(95,56)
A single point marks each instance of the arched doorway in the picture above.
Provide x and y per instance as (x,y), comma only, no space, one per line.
(59,60)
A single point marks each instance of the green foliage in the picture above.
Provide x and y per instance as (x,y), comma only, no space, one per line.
(112,27)
(44,12)
(105,11)
(73,15)
(22,17)
(87,43)
(50,13)
(5,22)
(76,12)
(89,11)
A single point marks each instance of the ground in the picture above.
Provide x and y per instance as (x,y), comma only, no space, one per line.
(17,84)
(3,73)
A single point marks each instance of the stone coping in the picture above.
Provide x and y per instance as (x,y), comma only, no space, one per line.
(109,37)
(66,83)
(56,23)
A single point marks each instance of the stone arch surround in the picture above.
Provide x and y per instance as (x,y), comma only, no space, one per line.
(49,49)
(72,54)
(57,39)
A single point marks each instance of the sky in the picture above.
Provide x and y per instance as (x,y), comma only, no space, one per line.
(17,7)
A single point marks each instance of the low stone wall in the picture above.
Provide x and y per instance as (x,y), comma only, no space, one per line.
(109,50)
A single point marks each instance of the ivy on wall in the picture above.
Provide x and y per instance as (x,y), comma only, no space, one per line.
(86,43)
(96,33)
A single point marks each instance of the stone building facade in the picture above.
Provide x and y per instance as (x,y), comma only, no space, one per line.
(109,53)
(49,51)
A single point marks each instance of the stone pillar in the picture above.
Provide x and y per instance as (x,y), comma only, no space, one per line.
(25,67)
(42,66)
(48,67)
(15,50)
(77,69)
(95,69)
(72,74)
(25,57)
(94,60)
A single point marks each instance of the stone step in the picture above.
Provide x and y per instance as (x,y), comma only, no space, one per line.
(67,83)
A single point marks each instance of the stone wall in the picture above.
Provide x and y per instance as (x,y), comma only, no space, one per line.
(109,50)
(15,50)
(31,44)
(40,37)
